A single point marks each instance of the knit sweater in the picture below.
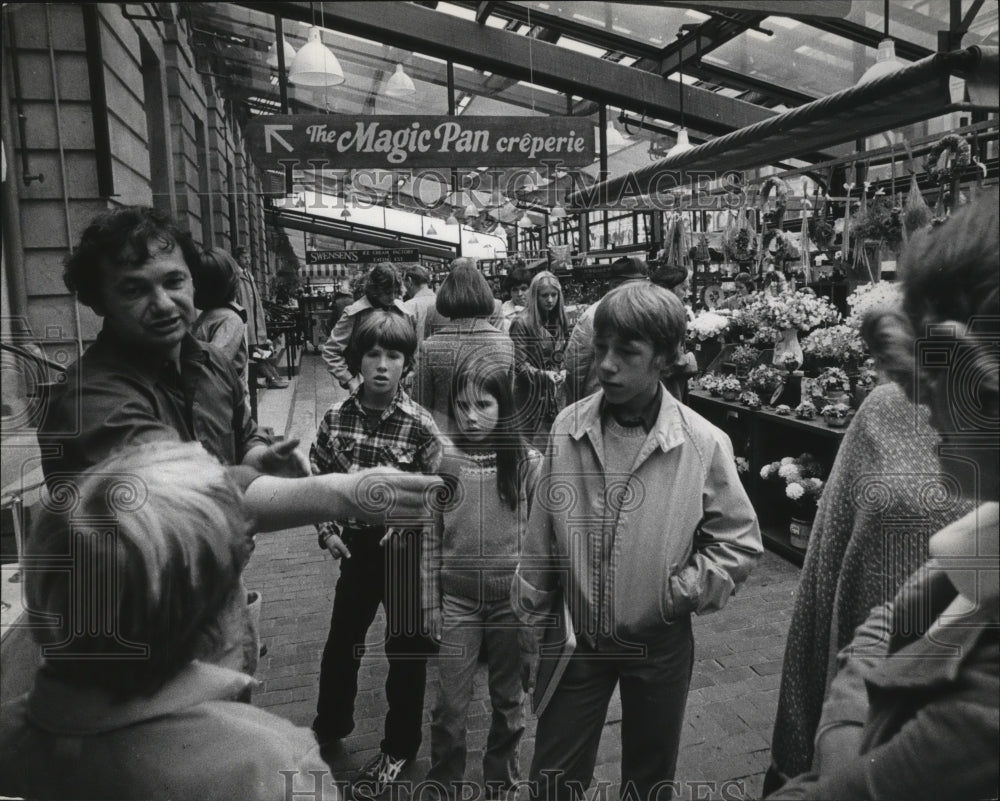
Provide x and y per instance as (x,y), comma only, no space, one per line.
(473,549)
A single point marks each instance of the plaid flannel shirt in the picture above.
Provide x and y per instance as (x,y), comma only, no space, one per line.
(405,437)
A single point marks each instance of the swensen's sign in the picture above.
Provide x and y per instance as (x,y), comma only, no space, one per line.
(361,256)
(399,142)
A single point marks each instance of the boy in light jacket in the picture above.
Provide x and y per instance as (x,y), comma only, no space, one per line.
(640,519)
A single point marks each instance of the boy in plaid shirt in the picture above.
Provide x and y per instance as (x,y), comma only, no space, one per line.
(378,425)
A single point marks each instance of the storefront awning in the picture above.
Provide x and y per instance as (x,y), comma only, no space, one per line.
(917,92)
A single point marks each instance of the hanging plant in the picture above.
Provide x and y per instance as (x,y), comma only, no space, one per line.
(741,250)
(916,213)
(821,232)
(880,220)
(948,158)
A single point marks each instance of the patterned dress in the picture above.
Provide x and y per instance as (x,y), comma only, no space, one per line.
(886,496)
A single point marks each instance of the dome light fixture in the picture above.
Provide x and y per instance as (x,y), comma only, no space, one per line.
(399,85)
(272,53)
(471,210)
(431,231)
(452,220)
(525,221)
(315,64)
(886,60)
(558,212)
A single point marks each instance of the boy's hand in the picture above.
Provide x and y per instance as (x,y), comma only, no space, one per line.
(527,638)
(433,625)
(387,496)
(335,545)
(280,459)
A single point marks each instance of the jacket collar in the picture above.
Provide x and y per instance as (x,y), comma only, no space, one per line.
(466,325)
(667,431)
(60,708)
(363,303)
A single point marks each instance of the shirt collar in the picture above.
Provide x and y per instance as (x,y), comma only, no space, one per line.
(192,350)
(60,708)
(649,415)
(399,401)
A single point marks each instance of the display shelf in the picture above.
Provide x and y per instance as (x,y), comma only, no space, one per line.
(777,540)
(762,436)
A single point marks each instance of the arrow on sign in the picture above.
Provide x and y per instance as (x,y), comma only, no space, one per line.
(271,133)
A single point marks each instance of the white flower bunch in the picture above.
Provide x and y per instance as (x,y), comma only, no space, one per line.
(795,309)
(707,325)
(795,491)
(881,296)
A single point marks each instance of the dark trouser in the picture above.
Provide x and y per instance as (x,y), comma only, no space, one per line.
(389,575)
(654,692)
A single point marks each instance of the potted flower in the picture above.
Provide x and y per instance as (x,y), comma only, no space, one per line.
(704,335)
(864,384)
(834,383)
(730,388)
(743,358)
(803,479)
(783,409)
(789,361)
(764,380)
(710,383)
(839,344)
(805,410)
(836,415)
(792,312)
(750,399)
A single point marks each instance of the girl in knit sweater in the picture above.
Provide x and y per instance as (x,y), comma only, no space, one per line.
(468,563)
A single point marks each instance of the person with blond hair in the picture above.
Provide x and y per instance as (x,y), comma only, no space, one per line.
(132,585)
(539,334)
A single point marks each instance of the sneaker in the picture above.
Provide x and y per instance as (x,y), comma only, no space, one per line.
(378,774)
(277,383)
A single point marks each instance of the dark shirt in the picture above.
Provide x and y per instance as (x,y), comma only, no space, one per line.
(115,395)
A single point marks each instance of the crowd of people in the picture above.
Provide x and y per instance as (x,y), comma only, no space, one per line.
(488,474)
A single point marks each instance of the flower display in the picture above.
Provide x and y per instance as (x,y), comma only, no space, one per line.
(805,410)
(797,309)
(750,398)
(744,357)
(867,378)
(710,382)
(764,380)
(803,479)
(707,325)
(783,409)
(880,296)
(729,384)
(841,342)
(742,465)
(833,379)
(838,411)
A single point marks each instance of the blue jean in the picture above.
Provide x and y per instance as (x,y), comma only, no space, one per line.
(466,623)
(654,692)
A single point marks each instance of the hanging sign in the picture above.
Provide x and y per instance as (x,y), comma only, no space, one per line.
(403,141)
(368,256)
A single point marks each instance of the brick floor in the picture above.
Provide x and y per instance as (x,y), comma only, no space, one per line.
(730,708)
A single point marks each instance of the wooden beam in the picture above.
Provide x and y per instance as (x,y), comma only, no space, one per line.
(418,29)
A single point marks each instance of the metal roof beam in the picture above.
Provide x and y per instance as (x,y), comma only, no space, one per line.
(704,39)
(575,30)
(415,28)
(867,36)
(483,11)
(713,73)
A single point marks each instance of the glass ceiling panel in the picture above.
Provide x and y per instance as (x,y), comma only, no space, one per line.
(918,21)
(652,26)
(795,55)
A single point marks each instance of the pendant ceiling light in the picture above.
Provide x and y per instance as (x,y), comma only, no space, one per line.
(683,144)
(452,220)
(315,64)
(345,214)
(558,212)
(614,137)
(471,210)
(473,240)
(400,84)
(430,230)
(886,60)
(525,221)
(272,54)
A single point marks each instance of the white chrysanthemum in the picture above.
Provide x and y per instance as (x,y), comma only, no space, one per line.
(765,471)
(794,491)
(789,472)
(787,459)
